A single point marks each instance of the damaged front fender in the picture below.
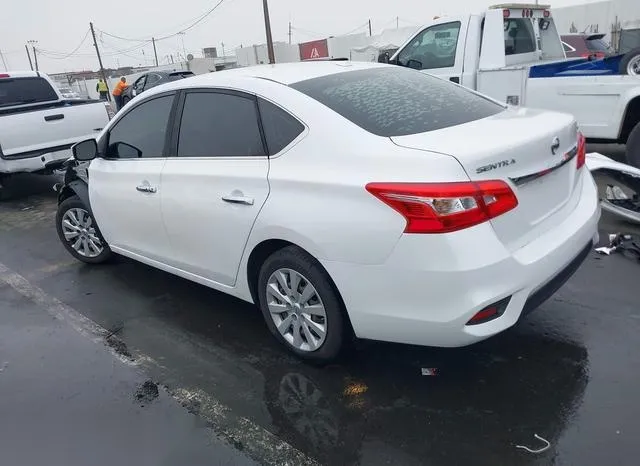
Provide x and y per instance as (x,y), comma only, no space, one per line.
(621,196)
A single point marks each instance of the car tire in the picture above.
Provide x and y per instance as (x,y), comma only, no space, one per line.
(633,147)
(125,101)
(631,58)
(323,297)
(74,217)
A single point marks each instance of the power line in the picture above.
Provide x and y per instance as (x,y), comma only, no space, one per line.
(195,22)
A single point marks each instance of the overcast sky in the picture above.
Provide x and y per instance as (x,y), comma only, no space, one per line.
(59,26)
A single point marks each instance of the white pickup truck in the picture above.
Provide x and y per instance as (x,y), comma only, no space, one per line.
(38,126)
(514,54)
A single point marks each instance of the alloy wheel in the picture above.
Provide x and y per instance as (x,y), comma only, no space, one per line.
(80,233)
(296,309)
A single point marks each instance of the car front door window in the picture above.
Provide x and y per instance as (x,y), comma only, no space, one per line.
(141,132)
(435,47)
(152,80)
(125,182)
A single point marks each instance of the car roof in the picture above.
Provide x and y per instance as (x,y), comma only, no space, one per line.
(22,74)
(283,73)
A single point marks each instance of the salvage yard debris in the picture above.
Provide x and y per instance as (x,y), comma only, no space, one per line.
(540,450)
(621,242)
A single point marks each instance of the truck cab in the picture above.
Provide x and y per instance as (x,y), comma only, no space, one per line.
(514,54)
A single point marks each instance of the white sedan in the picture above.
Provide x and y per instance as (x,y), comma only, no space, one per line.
(344,199)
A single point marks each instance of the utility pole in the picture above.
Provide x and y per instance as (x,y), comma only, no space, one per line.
(26,47)
(35,55)
(369,28)
(289,32)
(267,27)
(102,72)
(6,68)
(172,59)
(397,22)
(155,54)
(184,50)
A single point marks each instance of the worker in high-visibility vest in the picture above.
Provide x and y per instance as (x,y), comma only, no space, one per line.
(102,89)
(117,92)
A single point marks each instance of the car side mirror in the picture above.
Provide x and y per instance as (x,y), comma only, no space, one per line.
(85,150)
(414,64)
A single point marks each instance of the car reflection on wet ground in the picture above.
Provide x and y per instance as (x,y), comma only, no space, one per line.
(568,372)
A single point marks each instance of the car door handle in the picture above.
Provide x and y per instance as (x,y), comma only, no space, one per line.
(235,199)
(58,116)
(146,188)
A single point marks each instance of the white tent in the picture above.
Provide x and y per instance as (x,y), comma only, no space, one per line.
(389,39)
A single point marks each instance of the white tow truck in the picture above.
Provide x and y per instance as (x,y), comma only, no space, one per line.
(514,54)
(38,125)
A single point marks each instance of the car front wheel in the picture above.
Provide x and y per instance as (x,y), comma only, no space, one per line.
(79,232)
(301,306)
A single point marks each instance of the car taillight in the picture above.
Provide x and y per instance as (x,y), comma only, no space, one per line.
(4,75)
(445,207)
(582,151)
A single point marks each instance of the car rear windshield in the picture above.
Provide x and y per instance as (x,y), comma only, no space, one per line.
(597,45)
(395,101)
(25,91)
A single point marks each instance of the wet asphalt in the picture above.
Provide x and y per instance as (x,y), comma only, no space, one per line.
(568,373)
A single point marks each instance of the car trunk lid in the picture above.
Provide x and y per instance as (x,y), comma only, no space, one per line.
(533,151)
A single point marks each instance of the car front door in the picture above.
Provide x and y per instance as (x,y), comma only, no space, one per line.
(437,49)
(217,183)
(124,182)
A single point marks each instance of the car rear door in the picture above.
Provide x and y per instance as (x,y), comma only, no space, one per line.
(215,186)
(125,182)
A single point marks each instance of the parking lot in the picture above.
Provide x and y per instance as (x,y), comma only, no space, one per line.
(228,394)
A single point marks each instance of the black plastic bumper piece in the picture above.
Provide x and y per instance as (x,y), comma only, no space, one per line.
(540,296)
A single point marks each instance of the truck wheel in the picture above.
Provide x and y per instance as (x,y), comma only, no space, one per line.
(633,147)
(630,63)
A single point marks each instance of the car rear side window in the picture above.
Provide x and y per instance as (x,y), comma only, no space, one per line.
(280,128)
(395,101)
(20,91)
(141,132)
(216,124)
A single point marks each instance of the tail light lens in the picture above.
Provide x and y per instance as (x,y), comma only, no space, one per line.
(582,151)
(445,207)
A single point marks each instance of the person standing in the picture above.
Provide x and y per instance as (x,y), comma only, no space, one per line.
(102,89)
(117,92)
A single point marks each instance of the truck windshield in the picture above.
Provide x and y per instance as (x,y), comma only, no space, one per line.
(17,91)
(395,101)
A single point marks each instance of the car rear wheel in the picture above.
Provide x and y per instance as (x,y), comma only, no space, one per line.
(301,306)
(79,232)
(125,100)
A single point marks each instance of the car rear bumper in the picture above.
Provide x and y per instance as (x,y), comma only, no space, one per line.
(37,163)
(431,286)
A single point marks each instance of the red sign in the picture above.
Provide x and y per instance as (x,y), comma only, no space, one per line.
(314,49)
